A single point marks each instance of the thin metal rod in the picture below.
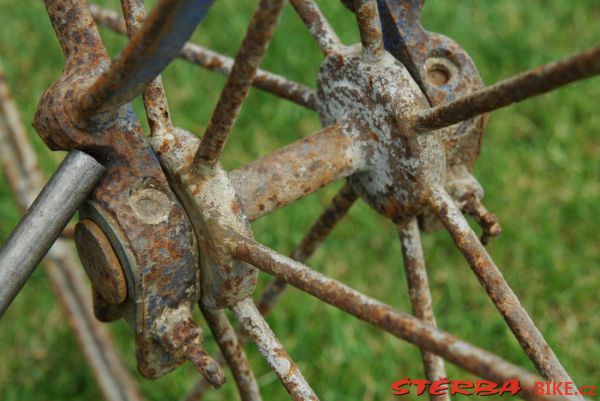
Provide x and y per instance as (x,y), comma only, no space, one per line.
(44,221)
(19,165)
(159,41)
(331,216)
(203,57)
(515,89)
(335,211)
(317,25)
(155,100)
(399,324)
(238,82)
(491,278)
(232,350)
(272,350)
(420,296)
(369,25)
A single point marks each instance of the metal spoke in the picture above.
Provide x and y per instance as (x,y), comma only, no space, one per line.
(203,57)
(520,87)
(272,350)
(317,25)
(528,335)
(231,349)
(369,26)
(238,82)
(19,165)
(399,324)
(335,211)
(155,100)
(146,55)
(420,296)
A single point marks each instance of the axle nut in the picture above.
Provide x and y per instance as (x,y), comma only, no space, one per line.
(100,262)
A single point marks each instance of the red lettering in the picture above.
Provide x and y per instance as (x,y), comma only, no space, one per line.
(539,388)
(461,386)
(556,388)
(569,388)
(485,387)
(588,390)
(511,386)
(398,386)
(421,385)
(439,387)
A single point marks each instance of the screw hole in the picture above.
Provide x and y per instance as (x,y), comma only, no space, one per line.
(439,71)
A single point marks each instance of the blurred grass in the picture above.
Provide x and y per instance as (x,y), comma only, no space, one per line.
(540,167)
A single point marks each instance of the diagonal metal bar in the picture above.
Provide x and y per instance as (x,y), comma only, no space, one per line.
(331,216)
(155,100)
(333,213)
(20,166)
(399,324)
(369,26)
(159,41)
(490,277)
(255,326)
(231,349)
(420,296)
(520,87)
(317,25)
(238,82)
(203,57)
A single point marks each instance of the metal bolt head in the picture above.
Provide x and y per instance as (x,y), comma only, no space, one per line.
(100,262)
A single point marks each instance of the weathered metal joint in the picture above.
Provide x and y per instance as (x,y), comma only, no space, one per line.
(135,240)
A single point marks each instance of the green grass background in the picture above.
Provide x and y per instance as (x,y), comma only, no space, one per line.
(540,167)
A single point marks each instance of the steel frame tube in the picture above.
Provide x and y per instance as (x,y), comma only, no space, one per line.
(44,222)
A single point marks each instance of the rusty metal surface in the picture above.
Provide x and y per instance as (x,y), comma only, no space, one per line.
(515,89)
(443,71)
(369,26)
(231,349)
(252,322)
(133,204)
(420,296)
(251,52)
(399,324)
(490,277)
(159,41)
(201,56)
(155,101)
(100,261)
(20,166)
(373,99)
(296,170)
(317,25)
(335,211)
